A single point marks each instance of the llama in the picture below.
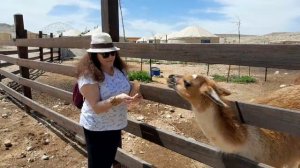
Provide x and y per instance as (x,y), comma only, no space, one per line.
(221,126)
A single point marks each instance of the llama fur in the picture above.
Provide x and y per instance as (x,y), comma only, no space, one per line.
(221,125)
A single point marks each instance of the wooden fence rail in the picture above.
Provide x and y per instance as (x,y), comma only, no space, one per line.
(122,156)
(53,91)
(278,119)
(190,148)
(249,55)
(16,52)
(55,68)
(155,135)
(195,150)
(270,56)
(257,55)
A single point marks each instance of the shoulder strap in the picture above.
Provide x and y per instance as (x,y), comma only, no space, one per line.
(122,71)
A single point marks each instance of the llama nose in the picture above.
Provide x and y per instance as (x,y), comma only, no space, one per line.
(171,81)
(171,76)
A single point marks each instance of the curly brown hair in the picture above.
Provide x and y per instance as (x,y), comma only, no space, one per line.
(90,65)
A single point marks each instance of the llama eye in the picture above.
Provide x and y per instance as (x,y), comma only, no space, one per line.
(187,84)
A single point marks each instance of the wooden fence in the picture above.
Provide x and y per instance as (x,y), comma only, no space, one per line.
(275,56)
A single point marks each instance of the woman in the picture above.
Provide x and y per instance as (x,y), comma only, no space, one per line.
(103,83)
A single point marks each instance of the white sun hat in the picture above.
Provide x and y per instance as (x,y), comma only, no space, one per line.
(101,43)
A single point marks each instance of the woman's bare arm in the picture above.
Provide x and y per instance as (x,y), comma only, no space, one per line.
(91,93)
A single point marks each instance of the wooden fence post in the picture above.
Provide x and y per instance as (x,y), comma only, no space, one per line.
(1,76)
(41,48)
(110,25)
(51,49)
(110,18)
(21,33)
(266,73)
(207,72)
(59,50)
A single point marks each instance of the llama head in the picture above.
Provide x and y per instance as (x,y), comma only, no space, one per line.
(198,89)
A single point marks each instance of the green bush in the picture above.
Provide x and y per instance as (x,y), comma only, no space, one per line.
(242,79)
(219,78)
(142,76)
(234,79)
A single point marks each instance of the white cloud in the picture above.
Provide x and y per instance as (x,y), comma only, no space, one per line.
(259,17)
(256,16)
(35,13)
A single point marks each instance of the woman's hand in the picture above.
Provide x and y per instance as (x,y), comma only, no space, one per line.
(137,97)
(122,98)
(135,91)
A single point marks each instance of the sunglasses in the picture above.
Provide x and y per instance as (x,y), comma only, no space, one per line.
(107,54)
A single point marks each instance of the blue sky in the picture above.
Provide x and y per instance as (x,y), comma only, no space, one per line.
(149,17)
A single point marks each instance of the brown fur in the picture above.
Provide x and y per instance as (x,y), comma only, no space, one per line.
(228,133)
(297,81)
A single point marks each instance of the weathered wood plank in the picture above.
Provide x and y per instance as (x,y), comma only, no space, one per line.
(182,145)
(165,96)
(51,49)
(129,160)
(16,52)
(7,43)
(257,55)
(46,53)
(6,64)
(231,160)
(273,118)
(272,56)
(22,51)
(53,91)
(279,119)
(9,64)
(49,67)
(195,150)
(62,42)
(170,97)
(73,126)
(40,48)
(187,147)
(110,18)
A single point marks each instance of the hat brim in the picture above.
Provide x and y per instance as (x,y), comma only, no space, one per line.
(102,50)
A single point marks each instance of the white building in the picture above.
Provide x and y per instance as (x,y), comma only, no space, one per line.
(192,34)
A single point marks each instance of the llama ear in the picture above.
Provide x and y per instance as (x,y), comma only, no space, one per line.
(222,91)
(212,94)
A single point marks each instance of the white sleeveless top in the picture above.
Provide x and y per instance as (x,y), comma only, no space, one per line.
(116,117)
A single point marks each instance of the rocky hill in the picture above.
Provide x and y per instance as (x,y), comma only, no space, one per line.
(271,38)
(6,28)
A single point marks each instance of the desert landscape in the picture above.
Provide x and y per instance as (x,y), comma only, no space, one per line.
(26,142)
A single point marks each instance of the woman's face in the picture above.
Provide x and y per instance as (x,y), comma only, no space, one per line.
(107,59)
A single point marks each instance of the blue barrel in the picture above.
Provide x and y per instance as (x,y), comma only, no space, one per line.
(155,71)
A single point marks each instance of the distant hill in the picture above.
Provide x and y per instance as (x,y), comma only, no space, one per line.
(271,38)
(6,28)
(283,34)
(233,35)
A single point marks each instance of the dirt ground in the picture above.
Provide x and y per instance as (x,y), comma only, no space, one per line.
(34,145)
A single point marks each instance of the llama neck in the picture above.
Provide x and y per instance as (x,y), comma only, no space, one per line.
(221,129)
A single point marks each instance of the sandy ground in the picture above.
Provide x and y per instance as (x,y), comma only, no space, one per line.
(32,143)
